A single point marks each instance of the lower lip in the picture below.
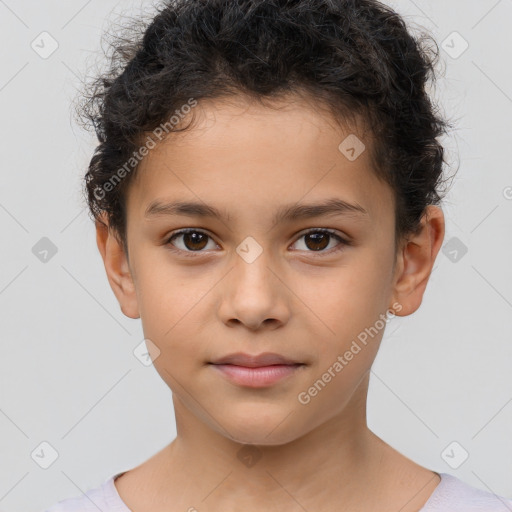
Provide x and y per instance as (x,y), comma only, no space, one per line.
(257,377)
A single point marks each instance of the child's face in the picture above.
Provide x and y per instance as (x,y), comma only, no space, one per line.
(212,299)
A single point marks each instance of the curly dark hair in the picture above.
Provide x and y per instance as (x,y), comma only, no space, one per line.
(354,57)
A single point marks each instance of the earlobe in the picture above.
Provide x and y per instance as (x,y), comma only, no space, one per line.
(117,268)
(416,260)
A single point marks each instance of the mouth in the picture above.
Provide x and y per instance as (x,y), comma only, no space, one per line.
(256,371)
(256,361)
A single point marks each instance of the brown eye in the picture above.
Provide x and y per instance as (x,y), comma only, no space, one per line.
(317,240)
(192,240)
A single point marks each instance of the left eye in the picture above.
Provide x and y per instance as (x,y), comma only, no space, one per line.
(194,240)
(318,239)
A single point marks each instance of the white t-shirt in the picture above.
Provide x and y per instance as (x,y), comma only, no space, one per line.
(451,495)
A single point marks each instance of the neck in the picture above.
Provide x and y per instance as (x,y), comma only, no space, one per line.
(333,464)
(330,458)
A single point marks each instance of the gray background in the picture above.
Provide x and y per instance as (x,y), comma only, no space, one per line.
(68,373)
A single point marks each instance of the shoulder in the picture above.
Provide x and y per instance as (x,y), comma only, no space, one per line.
(454,495)
(103,497)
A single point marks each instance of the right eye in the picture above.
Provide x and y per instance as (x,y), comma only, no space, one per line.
(193,240)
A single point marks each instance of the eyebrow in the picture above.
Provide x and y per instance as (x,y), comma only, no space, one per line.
(329,207)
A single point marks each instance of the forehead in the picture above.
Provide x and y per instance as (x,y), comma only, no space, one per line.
(247,156)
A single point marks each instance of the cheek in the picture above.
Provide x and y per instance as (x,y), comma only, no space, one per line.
(167,296)
(352,295)
(347,306)
(173,308)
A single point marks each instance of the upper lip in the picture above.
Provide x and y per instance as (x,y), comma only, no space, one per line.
(254,361)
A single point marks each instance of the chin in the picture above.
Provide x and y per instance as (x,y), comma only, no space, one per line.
(273,430)
(262,439)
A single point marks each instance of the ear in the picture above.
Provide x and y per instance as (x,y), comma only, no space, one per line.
(117,268)
(415,260)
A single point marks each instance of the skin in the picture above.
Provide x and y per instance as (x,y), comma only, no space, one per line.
(249,160)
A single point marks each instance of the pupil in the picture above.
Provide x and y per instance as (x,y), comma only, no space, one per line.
(316,236)
(194,240)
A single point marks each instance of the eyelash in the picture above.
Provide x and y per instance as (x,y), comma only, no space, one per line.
(193,254)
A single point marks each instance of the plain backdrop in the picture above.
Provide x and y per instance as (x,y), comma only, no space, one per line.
(71,388)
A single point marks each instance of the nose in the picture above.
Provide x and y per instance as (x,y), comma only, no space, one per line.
(254,295)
